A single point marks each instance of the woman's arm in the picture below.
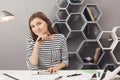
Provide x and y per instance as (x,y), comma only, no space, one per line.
(64,61)
(64,51)
(34,58)
(56,67)
(32,55)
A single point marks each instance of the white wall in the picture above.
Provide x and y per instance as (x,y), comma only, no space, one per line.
(12,33)
(111,13)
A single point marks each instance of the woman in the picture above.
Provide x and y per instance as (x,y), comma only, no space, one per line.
(45,49)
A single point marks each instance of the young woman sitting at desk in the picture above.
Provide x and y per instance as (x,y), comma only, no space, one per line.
(45,48)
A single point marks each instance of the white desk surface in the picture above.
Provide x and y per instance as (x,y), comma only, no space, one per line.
(32,75)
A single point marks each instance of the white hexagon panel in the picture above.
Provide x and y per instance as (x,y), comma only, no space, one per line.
(76,2)
(92,30)
(62,28)
(116,31)
(106,60)
(107,40)
(74,40)
(92,12)
(116,53)
(62,3)
(88,46)
(74,8)
(76,21)
(74,62)
(90,52)
(62,15)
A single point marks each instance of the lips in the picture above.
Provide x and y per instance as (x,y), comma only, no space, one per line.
(38,32)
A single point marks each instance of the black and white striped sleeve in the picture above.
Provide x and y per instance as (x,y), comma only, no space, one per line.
(29,49)
(64,51)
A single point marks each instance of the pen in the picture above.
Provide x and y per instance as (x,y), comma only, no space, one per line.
(10,76)
(74,75)
(58,78)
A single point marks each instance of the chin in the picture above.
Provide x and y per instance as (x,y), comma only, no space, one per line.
(39,34)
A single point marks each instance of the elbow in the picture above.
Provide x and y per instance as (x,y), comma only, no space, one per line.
(30,66)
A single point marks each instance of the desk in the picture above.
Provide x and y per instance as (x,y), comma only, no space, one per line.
(32,75)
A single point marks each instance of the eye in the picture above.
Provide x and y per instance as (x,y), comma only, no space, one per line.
(38,23)
(32,26)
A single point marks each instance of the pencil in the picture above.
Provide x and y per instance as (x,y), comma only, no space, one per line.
(10,76)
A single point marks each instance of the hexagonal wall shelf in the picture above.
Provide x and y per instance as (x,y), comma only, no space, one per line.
(76,21)
(90,52)
(62,3)
(76,2)
(106,59)
(88,46)
(116,30)
(107,40)
(116,53)
(62,14)
(92,12)
(75,62)
(74,8)
(62,28)
(92,30)
(75,39)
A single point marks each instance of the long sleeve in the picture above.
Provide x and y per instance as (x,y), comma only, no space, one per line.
(64,51)
(29,49)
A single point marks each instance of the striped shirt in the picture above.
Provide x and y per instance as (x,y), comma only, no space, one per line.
(50,52)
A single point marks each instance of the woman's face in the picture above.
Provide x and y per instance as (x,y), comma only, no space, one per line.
(39,26)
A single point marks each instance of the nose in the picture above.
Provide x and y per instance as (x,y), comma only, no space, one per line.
(37,27)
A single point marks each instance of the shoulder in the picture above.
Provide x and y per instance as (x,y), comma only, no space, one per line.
(29,38)
(59,35)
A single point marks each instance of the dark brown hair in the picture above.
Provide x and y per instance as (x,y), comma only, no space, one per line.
(44,18)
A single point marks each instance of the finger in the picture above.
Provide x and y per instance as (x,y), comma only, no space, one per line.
(49,70)
(54,71)
(39,38)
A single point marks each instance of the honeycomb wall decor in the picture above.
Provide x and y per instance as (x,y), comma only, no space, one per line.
(75,2)
(107,40)
(94,10)
(116,31)
(62,3)
(75,39)
(76,21)
(89,47)
(92,30)
(62,14)
(106,59)
(116,54)
(62,28)
(73,8)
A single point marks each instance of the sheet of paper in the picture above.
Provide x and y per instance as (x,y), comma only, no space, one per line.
(32,75)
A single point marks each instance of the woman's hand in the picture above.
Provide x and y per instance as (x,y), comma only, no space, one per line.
(56,68)
(43,37)
(53,69)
